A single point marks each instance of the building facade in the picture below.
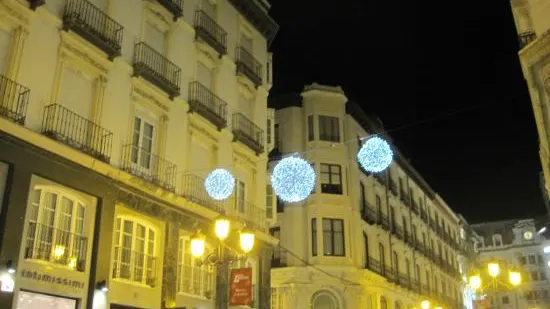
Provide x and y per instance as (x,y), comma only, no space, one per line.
(111,115)
(519,245)
(532,25)
(360,240)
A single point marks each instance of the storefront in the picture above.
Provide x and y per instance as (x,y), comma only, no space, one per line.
(31,300)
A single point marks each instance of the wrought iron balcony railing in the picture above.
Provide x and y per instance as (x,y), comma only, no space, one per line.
(383,221)
(148,166)
(76,131)
(374,265)
(397,231)
(46,243)
(404,280)
(252,215)
(134,266)
(248,133)
(192,188)
(207,104)
(173,6)
(14,99)
(209,31)
(248,66)
(94,25)
(393,188)
(525,38)
(155,68)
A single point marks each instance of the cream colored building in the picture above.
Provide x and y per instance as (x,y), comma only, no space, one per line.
(517,245)
(360,240)
(111,115)
(533,24)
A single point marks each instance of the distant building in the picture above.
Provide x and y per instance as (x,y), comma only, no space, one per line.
(361,240)
(532,24)
(519,245)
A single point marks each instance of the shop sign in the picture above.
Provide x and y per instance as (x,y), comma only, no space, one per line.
(51,279)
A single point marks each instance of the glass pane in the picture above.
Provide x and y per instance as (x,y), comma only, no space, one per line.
(325,168)
(338,243)
(338,225)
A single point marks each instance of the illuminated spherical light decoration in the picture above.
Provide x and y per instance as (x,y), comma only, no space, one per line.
(219,184)
(375,155)
(293,179)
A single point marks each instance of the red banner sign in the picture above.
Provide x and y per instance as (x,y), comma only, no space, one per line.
(240,292)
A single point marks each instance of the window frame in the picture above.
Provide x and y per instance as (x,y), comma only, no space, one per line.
(119,243)
(328,130)
(331,187)
(269,201)
(333,237)
(310,128)
(137,153)
(206,274)
(314,244)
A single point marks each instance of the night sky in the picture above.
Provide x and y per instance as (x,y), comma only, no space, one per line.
(450,68)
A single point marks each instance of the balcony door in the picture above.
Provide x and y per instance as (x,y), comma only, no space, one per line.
(77,94)
(143,140)
(209,9)
(5,43)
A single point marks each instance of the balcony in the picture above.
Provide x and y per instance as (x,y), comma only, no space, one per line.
(253,216)
(369,214)
(382,220)
(14,99)
(397,231)
(148,166)
(279,257)
(248,133)
(134,266)
(156,69)
(525,38)
(94,25)
(46,243)
(248,66)
(76,131)
(192,189)
(207,104)
(404,281)
(210,32)
(173,6)
(374,265)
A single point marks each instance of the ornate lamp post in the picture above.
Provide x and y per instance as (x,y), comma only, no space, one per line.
(223,256)
(493,269)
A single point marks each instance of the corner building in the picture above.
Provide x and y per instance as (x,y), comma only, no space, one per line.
(111,115)
(360,240)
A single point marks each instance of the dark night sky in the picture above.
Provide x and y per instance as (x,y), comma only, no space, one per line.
(407,61)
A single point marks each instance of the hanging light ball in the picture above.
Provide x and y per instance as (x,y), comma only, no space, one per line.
(293,179)
(219,184)
(375,155)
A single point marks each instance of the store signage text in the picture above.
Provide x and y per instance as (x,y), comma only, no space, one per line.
(35,275)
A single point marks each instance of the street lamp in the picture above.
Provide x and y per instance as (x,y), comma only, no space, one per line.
(222,228)
(494,269)
(425,304)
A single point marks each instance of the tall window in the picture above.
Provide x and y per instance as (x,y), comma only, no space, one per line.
(382,257)
(276,135)
(193,278)
(378,208)
(314,236)
(142,142)
(413,232)
(241,197)
(417,273)
(366,241)
(408,270)
(155,38)
(205,77)
(363,200)
(329,129)
(331,178)
(428,280)
(56,228)
(392,217)
(310,131)
(134,257)
(268,131)
(333,237)
(269,201)
(396,264)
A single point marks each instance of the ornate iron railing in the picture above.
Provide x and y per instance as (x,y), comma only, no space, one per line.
(247,132)
(248,66)
(173,6)
(14,99)
(209,31)
(207,104)
(148,166)
(192,188)
(94,25)
(525,38)
(66,126)
(157,69)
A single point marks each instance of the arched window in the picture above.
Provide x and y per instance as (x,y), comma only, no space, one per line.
(56,228)
(134,247)
(324,300)
(193,278)
(383,303)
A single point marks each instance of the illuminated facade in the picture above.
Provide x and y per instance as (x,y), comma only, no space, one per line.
(360,240)
(515,244)
(111,115)
(532,25)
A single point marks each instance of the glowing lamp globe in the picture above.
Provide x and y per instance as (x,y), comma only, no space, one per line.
(247,241)
(219,184)
(197,245)
(375,155)
(293,179)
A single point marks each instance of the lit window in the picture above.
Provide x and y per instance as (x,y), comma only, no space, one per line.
(55,230)
(134,247)
(193,278)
